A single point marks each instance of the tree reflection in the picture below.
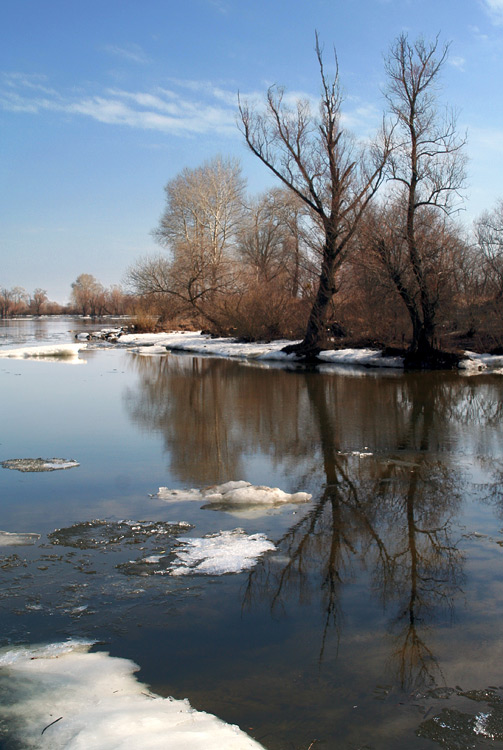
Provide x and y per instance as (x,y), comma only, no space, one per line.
(213,414)
(389,514)
(377,454)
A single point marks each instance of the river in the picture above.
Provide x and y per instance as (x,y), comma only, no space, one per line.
(376,621)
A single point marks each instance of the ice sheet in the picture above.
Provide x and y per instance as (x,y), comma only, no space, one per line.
(48,352)
(62,697)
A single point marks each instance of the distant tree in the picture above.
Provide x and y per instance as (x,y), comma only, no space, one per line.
(38,300)
(489,234)
(198,227)
(427,165)
(5,302)
(88,295)
(116,301)
(269,238)
(315,158)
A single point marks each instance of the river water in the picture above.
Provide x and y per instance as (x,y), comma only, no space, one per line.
(377,620)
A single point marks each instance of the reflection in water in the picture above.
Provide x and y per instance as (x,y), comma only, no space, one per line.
(377,453)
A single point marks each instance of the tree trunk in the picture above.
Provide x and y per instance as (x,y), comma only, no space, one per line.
(310,346)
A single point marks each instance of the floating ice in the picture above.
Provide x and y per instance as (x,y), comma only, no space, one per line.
(235,493)
(39,464)
(51,352)
(62,697)
(14,539)
(216,554)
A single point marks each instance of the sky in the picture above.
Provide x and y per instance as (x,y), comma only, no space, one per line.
(103,102)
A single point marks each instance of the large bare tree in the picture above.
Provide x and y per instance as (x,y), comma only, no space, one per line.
(427,165)
(315,158)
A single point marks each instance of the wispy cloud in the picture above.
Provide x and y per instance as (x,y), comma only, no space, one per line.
(178,110)
(494,8)
(457,62)
(184,108)
(131,52)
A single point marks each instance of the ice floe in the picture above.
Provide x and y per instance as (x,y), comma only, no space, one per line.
(235,493)
(64,697)
(39,464)
(16,539)
(220,553)
(47,352)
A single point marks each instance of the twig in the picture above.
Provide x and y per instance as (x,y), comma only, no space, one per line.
(50,725)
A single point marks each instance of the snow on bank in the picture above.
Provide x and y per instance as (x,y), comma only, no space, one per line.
(155,344)
(475,363)
(39,464)
(235,493)
(362,357)
(198,343)
(62,697)
(220,553)
(15,539)
(47,352)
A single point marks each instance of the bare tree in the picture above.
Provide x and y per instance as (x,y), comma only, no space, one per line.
(38,300)
(427,165)
(489,234)
(198,227)
(315,158)
(269,241)
(88,295)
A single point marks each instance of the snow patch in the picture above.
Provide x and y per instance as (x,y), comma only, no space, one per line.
(217,554)
(361,357)
(235,493)
(62,697)
(475,363)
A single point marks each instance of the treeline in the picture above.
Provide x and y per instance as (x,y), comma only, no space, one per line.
(88,297)
(360,244)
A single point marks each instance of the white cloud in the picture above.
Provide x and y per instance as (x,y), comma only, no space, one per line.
(131,52)
(204,109)
(457,62)
(187,107)
(495,10)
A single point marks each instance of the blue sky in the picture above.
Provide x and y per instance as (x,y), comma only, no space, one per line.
(102,102)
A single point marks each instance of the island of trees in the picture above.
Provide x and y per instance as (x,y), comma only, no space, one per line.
(356,245)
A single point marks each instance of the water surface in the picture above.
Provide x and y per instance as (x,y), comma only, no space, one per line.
(376,623)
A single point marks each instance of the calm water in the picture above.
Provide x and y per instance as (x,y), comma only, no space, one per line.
(376,624)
